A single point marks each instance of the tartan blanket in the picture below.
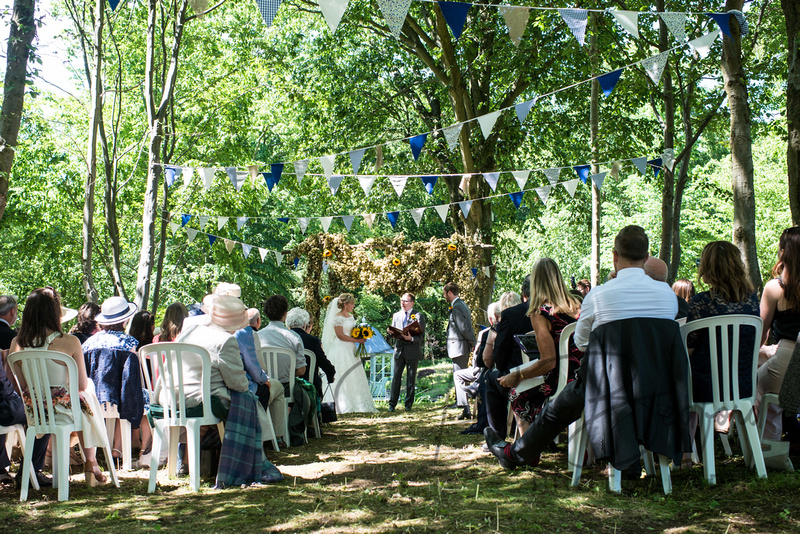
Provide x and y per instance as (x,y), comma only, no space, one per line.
(241,457)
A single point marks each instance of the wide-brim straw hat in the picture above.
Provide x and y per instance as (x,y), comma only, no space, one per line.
(68,314)
(226,312)
(115,310)
(225,288)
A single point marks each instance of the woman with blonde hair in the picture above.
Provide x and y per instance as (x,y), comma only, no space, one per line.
(551,308)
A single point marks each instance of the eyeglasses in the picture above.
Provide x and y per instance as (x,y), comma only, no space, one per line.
(401,300)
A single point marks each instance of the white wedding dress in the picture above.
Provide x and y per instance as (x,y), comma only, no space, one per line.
(350,389)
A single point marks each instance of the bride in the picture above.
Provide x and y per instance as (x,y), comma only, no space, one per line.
(351,390)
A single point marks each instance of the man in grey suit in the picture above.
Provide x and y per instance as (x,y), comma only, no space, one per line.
(460,336)
(407,351)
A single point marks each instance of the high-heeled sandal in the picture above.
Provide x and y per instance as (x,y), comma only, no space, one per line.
(94,479)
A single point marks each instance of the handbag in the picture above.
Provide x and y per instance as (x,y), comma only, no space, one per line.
(329,410)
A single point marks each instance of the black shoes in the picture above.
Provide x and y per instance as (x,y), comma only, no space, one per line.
(497,447)
(391,408)
(43,480)
(474,428)
(464,415)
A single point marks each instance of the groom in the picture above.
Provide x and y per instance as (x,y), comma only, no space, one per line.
(407,351)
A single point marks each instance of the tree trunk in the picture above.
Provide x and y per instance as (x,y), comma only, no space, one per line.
(20,37)
(668,193)
(744,205)
(594,121)
(791,12)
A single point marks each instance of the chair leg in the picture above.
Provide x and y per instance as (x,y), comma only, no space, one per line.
(666,476)
(614,479)
(649,462)
(193,452)
(158,432)
(174,440)
(61,450)
(27,464)
(754,443)
(579,435)
(726,444)
(127,452)
(707,432)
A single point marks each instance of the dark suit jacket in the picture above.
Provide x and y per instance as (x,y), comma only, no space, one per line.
(313,344)
(410,350)
(7,334)
(460,336)
(506,353)
(637,391)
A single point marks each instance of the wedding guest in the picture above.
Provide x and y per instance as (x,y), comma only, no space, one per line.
(142,327)
(172,323)
(460,335)
(583,286)
(86,326)
(468,382)
(276,334)
(684,289)
(8,316)
(657,269)
(407,352)
(299,320)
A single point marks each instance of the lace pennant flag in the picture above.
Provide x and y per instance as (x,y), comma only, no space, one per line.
(355,159)
(278,257)
(378,157)
(369,218)
(609,81)
(465,206)
(394,11)
(571,186)
(654,66)
(676,24)
(185,218)
(521,177)
(552,175)
(417,215)
(269,178)
(268,9)
(300,168)
(211,239)
(429,182)
(325,266)
(455,13)
(246,250)
(333,10)
(199,6)
(487,123)
(492,178)
(229,245)
(598,179)
(628,20)
(641,164)
(327,164)
(451,134)
(241,221)
(303,223)
(222,221)
(442,210)
(192,233)
(516,198)
(203,220)
(208,177)
(487,271)
(583,172)
(615,167)
(516,19)
(399,184)
(366,183)
(231,171)
(702,45)
(392,216)
(743,29)
(668,157)
(334,182)
(263,253)
(523,109)
(723,21)
(656,164)
(417,142)
(174,227)
(576,22)
(544,193)
(348,221)
(253,171)
(188,172)
(326,223)
(170,173)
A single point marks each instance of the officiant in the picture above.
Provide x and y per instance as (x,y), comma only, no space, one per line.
(408,328)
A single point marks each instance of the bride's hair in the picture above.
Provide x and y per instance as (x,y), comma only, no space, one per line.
(345,299)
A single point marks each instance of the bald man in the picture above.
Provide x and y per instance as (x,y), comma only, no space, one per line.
(657,270)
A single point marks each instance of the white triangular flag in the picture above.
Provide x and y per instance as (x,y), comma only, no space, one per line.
(487,123)
(523,108)
(229,245)
(576,22)
(641,164)
(366,183)
(324,266)
(369,218)
(192,233)
(654,66)
(544,193)
(300,168)
(521,177)
(615,167)
(303,222)
(188,172)
(451,134)
(465,206)
(207,175)
(487,271)
(222,221)
(278,257)
(552,175)
(676,23)
(628,20)
(394,11)
(598,179)
(399,183)
(241,221)
(516,20)
(570,186)
(263,253)
(203,220)
(668,158)
(443,210)
(355,159)
(334,182)
(327,164)
(246,250)
(417,215)
(253,171)
(174,227)
(333,10)
(492,178)
(702,45)
(348,221)
(326,223)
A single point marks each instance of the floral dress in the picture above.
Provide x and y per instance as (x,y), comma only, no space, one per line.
(529,403)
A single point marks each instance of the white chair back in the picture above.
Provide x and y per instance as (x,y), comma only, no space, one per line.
(563,357)
(270,357)
(312,364)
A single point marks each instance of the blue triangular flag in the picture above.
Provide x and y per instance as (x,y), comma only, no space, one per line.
(516,198)
(284,219)
(474,272)
(455,13)
(656,163)
(609,81)
(429,182)
(583,172)
(334,182)
(723,21)
(268,9)
(417,142)
(113,4)
(270,179)
(170,172)
(296,261)
(185,218)
(211,239)
(277,170)
(392,216)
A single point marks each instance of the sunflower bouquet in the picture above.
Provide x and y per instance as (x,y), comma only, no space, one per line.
(362,331)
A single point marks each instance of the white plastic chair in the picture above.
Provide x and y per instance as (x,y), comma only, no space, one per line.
(35,367)
(312,364)
(167,362)
(268,359)
(726,395)
(19,432)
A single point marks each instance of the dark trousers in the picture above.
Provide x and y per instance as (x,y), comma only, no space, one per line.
(496,403)
(400,363)
(555,417)
(262,393)
(13,413)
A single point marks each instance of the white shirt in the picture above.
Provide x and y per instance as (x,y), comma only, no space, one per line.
(275,334)
(631,294)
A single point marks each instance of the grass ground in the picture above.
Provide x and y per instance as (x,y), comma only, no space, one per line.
(413,472)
